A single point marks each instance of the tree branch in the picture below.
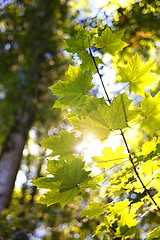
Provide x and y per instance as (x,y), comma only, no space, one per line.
(100,76)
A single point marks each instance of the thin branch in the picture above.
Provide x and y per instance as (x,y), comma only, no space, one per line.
(124,139)
(100,76)
(136,172)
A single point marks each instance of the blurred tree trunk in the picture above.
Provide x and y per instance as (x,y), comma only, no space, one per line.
(11,155)
(34,28)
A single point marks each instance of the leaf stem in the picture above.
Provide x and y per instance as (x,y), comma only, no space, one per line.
(100,76)
(124,139)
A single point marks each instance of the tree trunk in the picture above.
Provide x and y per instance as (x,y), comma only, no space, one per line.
(10,157)
(39,26)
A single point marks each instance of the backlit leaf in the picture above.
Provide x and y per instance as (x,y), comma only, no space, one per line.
(110,41)
(63,198)
(81,42)
(103,118)
(95,209)
(87,62)
(150,110)
(65,184)
(63,145)
(126,223)
(46,183)
(110,158)
(138,75)
(71,175)
(73,91)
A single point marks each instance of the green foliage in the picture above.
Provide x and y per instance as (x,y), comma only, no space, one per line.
(64,145)
(103,118)
(79,44)
(135,72)
(130,178)
(154,235)
(65,185)
(150,112)
(74,90)
(110,158)
(95,209)
(110,41)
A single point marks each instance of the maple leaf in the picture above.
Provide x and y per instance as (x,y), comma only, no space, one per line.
(89,105)
(73,92)
(95,209)
(46,183)
(65,185)
(87,62)
(138,75)
(150,110)
(64,145)
(119,207)
(63,198)
(81,42)
(71,175)
(103,118)
(110,158)
(110,41)
(53,165)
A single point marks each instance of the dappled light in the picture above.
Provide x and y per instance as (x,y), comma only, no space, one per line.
(79,120)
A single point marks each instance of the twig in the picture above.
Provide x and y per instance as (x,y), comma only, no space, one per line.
(100,76)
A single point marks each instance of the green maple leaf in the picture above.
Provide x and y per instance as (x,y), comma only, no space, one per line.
(46,183)
(110,158)
(103,118)
(83,41)
(87,62)
(110,41)
(119,207)
(90,105)
(128,220)
(63,198)
(78,44)
(65,185)
(119,114)
(64,145)
(150,110)
(73,92)
(138,75)
(95,209)
(71,175)
(53,165)
(87,125)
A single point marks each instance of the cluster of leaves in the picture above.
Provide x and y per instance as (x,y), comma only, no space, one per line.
(131,172)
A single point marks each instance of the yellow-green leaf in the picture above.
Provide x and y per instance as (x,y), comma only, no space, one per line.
(87,62)
(64,145)
(110,158)
(73,92)
(103,118)
(95,209)
(81,42)
(150,110)
(110,41)
(138,75)
(63,198)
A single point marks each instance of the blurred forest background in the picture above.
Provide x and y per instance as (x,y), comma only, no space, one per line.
(32,59)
